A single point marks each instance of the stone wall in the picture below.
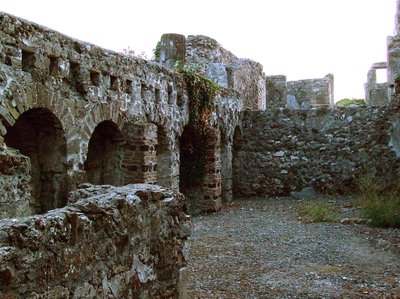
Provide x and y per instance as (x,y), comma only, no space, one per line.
(14,183)
(218,64)
(285,150)
(117,119)
(311,93)
(126,242)
(376,94)
(276,91)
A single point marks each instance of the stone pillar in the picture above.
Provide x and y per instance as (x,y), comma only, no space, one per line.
(173,49)
(331,87)
(226,171)
(212,200)
(140,159)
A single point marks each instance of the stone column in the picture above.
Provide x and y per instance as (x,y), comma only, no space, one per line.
(212,180)
(173,49)
(226,171)
(140,160)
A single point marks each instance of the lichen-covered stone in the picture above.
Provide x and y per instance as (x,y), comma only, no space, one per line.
(125,242)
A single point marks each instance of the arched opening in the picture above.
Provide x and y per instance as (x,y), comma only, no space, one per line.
(164,159)
(200,169)
(236,166)
(38,134)
(105,152)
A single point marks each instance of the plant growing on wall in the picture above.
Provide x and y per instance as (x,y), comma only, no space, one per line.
(157,51)
(202,93)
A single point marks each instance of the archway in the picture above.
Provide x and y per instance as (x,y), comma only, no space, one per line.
(105,152)
(200,169)
(236,166)
(38,134)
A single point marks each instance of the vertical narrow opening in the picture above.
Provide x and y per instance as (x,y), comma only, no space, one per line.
(53,66)
(95,78)
(114,83)
(28,61)
(128,86)
(143,88)
(170,89)
(157,95)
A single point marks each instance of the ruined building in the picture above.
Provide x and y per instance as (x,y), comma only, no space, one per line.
(95,145)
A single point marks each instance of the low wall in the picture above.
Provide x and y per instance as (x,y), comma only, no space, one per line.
(284,150)
(126,242)
(14,183)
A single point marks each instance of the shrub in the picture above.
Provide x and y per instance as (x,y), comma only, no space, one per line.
(347,102)
(319,211)
(380,205)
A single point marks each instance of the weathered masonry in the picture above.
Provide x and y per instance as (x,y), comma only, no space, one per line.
(84,114)
(87,134)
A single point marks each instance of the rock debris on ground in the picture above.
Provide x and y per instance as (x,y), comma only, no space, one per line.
(263,249)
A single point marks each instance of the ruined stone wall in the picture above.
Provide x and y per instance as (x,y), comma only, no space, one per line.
(14,184)
(285,150)
(85,91)
(126,242)
(310,93)
(376,94)
(276,91)
(218,64)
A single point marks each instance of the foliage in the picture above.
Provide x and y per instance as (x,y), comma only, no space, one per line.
(132,53)
(202,92)
(379,204)
(319,211)
(157,51)
(197,134)
(347,102)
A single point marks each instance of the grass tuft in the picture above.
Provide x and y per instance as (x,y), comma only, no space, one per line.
(381,206)
(319,211)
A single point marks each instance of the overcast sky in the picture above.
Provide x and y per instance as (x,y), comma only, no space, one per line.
(301,39)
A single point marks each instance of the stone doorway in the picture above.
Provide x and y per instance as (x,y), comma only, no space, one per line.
(200,169)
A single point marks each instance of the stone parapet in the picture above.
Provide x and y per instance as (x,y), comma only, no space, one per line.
(109,242)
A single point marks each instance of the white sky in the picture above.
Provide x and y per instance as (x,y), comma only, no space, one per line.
(301,39)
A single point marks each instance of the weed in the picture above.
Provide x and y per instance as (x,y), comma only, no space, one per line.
(319,211)
(380,205)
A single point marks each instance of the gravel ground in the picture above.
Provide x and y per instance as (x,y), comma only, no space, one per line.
(262,249)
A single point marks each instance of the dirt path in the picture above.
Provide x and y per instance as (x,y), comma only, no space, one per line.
(260,249)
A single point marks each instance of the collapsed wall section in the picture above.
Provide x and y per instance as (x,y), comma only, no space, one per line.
(286,150)
(218,64)
(311,93)
(125,242)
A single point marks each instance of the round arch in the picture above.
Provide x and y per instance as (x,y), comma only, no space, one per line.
(38,134)
(105,153)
